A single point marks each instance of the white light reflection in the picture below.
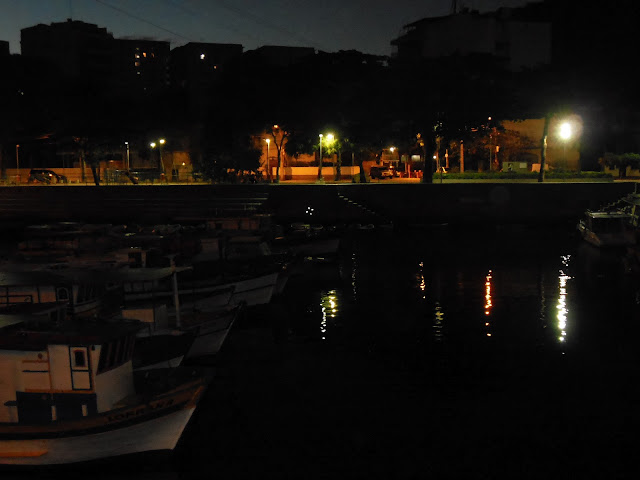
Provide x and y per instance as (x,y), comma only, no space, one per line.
(562,300)
(329,307)
(488,302)
(354,265)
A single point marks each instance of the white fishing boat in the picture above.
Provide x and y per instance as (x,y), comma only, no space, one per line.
(175,331)
(69,393)
(83,290)
(607,228)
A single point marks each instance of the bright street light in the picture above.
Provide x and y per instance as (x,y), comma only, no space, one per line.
(330,139)
(268,140)
(162,141)
(565,131)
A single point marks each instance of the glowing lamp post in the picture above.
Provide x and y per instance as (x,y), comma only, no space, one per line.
(17,164)
(565,132)
(320,160)
(161,142)
(330,139)
(268,140)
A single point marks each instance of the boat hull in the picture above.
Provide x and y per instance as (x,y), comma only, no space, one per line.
(148,424)
(161,433)
(255,291)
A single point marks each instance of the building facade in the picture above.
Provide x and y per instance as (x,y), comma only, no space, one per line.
(520,40)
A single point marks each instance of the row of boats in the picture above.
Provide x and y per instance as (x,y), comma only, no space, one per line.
(105,330)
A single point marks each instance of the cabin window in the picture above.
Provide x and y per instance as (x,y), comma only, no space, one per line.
(63,293)
(79,359)
(105,353)
(115,353)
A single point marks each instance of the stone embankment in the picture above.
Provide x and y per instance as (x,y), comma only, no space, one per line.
(340,203)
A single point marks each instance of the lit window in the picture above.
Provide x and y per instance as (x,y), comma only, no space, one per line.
(144,54)
(202,56)
(137,55)
(137,64)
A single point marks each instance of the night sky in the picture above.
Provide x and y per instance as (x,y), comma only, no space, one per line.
(329,25)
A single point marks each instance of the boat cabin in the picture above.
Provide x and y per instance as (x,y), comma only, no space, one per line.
(84,291)
(63,370)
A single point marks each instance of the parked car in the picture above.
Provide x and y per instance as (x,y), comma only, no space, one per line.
(382,172)
(46,176)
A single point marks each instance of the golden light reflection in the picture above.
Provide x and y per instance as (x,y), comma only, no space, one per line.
(422,284)
(488,302)
(330,308)
(438,323)
(562,300)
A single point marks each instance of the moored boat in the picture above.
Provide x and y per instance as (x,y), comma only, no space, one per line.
(70,393)
(607,228)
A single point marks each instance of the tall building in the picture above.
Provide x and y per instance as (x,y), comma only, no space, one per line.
(90,55)
(195,66)
(4,48)
(141,65)
(79,50)
(520,37)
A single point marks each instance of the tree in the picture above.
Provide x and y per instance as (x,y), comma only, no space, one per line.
(621,162)
(280,136)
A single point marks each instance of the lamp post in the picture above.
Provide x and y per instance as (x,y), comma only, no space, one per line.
(161,142)
(128,164)
(17,164)
(268,140)
(565,134)
(320,160)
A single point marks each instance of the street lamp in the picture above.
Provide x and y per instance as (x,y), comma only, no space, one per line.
(330,139)
(320,159)
(565,132)
(17,164)
(161,142)
(128,165)
(268,140)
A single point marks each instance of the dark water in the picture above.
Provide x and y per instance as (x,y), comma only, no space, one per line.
(448,353)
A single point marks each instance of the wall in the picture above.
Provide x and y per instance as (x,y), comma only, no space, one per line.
(560,154)
(311,173)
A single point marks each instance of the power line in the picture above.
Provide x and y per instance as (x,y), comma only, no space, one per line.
(265,23)
(190,12)
(140,19)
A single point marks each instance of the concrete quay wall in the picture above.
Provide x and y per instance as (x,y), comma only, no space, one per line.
(452,203)
(330,203)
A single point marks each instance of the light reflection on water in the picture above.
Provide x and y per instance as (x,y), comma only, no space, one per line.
(453,296)
(562,307)
(329,306)
(438,323)
(488,301)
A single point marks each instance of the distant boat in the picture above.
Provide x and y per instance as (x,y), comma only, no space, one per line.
(83,291)
(69,393)
(201,334)
(607,228)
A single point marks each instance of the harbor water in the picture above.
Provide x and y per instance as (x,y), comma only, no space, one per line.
(504,352)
